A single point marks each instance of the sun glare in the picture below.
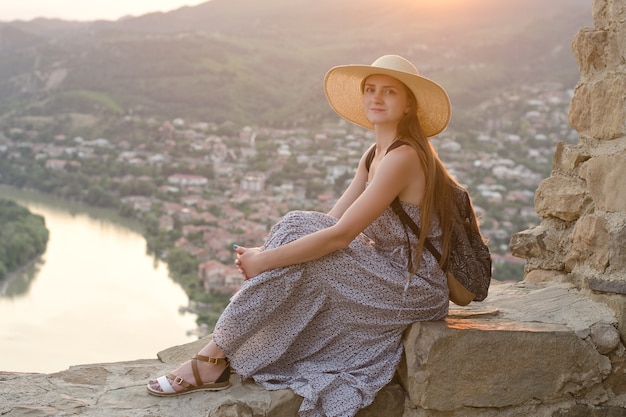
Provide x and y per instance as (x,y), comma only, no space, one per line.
(443,10)
(81,10)
(433,5)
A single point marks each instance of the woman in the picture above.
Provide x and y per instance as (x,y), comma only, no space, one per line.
(328,296)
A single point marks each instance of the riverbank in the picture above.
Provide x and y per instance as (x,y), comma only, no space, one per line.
(96,296)
(159,243)
(26,270)
(24,236)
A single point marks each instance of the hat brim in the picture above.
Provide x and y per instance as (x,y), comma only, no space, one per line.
(342,86)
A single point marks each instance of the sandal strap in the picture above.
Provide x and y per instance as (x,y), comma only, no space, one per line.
(177,380)
(164,383)
(214,361)
(194,365)
(196,373)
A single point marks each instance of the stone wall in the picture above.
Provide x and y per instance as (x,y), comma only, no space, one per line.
(582,235)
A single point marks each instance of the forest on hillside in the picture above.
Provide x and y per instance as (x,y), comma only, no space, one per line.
(263,63)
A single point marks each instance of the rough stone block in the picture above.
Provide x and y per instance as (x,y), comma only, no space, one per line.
(617,253)
(589,50)
(508,359)
(567,158)
(529,243)
(606,186)
(562,197)
(605,337)
(598,108)
(579,115)
(497,364)
(537,276)
(590,244)
(603,285)
(606,13)
(543,246)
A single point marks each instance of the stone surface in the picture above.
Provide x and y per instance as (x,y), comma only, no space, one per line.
(617,239)
(589,46)
(605,337)
(526,350)
(118,389)
(617,287)
(562,197)
(568,158)
(537,276)
(582,204)
(590,244)
(505,365)
(586,185)
(597,108)
(605,185)
(543,246)
(531,347)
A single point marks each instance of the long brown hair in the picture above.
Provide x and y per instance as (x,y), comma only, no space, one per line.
(439,188)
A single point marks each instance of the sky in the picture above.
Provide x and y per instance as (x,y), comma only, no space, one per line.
(83,10)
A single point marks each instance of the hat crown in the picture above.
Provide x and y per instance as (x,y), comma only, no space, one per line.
(395,63)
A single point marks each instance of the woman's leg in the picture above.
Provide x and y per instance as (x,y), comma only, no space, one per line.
(209,372)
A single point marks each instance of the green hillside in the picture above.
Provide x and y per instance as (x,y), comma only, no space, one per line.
(263,62)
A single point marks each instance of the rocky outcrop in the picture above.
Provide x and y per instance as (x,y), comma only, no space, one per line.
(542,350)
(582,235)
(583,203)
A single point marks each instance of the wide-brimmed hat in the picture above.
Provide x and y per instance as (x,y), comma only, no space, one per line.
(343,88)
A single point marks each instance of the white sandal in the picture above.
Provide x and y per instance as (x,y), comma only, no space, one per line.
(167,390)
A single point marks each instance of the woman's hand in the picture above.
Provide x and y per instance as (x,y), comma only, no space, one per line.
(248,261)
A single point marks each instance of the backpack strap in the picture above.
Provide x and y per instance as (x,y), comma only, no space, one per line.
(397,206)
(370,157)
(372,152)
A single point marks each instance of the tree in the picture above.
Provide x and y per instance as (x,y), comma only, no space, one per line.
(181,263)
(23,236)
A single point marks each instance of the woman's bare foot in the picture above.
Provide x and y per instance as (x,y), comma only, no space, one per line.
(209,372)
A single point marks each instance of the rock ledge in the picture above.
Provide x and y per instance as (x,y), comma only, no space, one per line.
(529,349)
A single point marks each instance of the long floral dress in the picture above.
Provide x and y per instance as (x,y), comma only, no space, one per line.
(331,329)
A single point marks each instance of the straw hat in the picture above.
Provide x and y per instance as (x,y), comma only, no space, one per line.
(343,88)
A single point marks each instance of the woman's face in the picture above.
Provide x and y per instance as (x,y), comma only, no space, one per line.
(385,99)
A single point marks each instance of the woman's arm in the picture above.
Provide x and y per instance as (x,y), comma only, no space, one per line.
(393,175)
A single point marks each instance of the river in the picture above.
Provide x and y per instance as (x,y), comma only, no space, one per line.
(94,296)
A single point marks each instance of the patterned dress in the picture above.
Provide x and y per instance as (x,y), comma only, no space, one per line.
(331,329)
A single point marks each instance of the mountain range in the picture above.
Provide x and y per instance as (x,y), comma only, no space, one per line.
(263,62)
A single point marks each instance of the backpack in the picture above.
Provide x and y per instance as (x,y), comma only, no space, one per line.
(469,266)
